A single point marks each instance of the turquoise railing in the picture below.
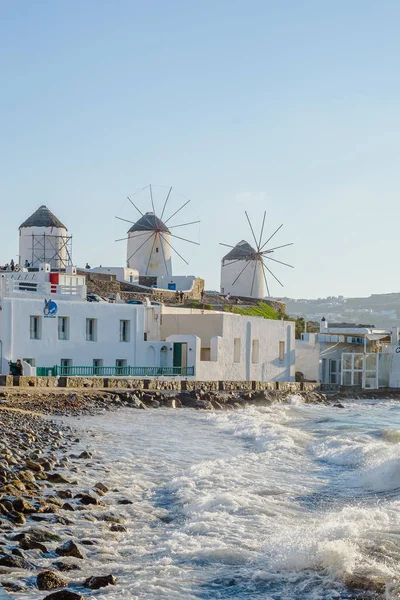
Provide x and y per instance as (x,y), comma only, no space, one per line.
(115,371)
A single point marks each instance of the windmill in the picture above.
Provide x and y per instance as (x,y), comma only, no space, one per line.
(149,239)
(244,269)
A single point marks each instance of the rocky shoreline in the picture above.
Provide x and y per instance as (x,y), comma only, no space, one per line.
(40,492)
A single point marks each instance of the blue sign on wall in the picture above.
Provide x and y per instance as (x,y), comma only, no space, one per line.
(50,309)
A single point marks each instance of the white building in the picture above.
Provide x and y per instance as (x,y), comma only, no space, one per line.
(44,239)
(222,345)
(149,247)
(46,321)
(347,355)
(242,272)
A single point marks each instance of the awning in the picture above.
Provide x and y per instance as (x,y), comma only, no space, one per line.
(377,336)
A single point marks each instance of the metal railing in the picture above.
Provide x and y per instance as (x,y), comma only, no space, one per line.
(77,371)
(46,289)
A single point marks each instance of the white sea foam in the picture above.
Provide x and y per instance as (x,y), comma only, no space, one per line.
(271,502)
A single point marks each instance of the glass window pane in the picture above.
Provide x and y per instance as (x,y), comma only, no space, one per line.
(358,361)
(346,361)
(370,363)
(347,378)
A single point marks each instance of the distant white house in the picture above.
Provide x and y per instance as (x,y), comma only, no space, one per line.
(348,355)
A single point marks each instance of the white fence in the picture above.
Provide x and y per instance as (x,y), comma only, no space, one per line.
(12,287)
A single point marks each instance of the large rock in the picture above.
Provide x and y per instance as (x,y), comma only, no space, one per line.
(15,562)
(365,582)
(101,487)
(69,549)
(23,506)
(64,595)
(27,543)
(87,499)
(34,466)
(49,580)
(95,583)
(37,534)
(57,478)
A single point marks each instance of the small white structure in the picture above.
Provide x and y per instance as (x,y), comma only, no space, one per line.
(121,273)
(44,239)
(242,272)
(347,355)
(149,247)
(185,283)
(226,346)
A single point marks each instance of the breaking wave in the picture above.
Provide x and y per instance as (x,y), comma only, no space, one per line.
(286,501)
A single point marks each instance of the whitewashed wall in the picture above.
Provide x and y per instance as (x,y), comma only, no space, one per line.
(217,331)
(146,259)
(49,350)
(307,359)
(183,282)
(244,286)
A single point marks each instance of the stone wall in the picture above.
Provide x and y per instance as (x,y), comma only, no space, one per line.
(130,291)
(176,385)
(102,284)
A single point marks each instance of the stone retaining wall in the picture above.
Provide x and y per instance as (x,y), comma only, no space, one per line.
(175,385)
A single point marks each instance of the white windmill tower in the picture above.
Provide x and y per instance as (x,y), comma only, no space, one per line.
(243,270)
(149,242)
(44,239)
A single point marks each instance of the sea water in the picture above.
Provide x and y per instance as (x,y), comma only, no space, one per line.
(275,503)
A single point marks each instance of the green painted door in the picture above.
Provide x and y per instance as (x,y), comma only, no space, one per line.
(178,354)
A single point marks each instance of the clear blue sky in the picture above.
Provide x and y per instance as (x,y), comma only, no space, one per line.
(290,107)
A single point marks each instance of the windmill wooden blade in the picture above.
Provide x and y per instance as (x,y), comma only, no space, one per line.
(280,262)
(172,248)
(274,276)
(176,212)
(254,275)
(245,267)
(252,230)
(141,246)
(165,203)
(270,238)
(151,253)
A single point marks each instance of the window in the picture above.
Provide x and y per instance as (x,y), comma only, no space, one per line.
(281,351)
(156,249)
(97,363)
(255,351)
(124,331)
(63,328)
(35,328)
(205,354)
(120,363)
(91,330)
(145,337)
(236,350)
(30,361)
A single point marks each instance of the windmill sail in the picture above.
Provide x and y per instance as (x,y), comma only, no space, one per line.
(245,270)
